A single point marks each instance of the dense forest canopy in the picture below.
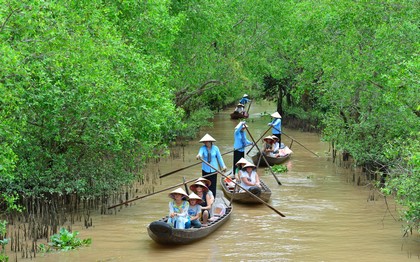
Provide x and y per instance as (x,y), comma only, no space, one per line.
(90,90)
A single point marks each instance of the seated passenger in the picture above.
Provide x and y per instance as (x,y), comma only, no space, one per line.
(178,209)
(194,211)
(268,146)
(240,109)
(202,191)
(249,178)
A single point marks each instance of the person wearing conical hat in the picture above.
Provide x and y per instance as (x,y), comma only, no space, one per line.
(178,209)
(239,165)
(245,99)
(194,211)
(211,154)
(276,146)
(249,178)
(240,108)
(240,142)
(276,125)
(206,182)
(268,145)
(201,190)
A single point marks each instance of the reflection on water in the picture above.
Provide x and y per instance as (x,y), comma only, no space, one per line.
(327,219)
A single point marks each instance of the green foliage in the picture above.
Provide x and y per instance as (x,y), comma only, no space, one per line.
(64,241)
(279,168)
(404,177)
(84,102)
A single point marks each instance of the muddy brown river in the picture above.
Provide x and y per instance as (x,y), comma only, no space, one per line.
(328,218)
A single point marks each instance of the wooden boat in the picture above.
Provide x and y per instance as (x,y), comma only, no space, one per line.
(271,160)
(237,115)
(244,197)
(162,233)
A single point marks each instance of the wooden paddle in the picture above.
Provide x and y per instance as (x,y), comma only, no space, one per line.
(157,192)
(236,184)
(296,141)
(249,107)
(266,162)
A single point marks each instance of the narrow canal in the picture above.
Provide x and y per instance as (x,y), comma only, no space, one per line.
(328,218)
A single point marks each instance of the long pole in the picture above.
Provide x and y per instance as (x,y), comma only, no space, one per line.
(249,106)
(266,162)
(296,141)
(157,192)
(236,184)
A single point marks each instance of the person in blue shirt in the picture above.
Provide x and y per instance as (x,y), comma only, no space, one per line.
(211,154)
(240,142)
(276,125)
(244,100)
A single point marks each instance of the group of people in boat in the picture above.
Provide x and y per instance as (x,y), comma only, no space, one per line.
(198,208)
(273,148)
(240,108)
(193,210)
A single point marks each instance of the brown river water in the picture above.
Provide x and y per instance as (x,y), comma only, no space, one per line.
(328,218)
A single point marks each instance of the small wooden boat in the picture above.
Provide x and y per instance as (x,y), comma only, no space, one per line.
(245,197)
(271,160)
(237,115)
(162,233)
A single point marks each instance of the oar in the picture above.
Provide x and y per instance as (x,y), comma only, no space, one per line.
(249,107)
(259,139)
(296,141)
(278,181)
(183,168)
(256,197)
(157,192)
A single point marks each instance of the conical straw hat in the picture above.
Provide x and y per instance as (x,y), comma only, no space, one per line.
(276,115)
(199,183)
(241,161)
(207,138)
(249,164)
(194,196)
(268,138)
(205,181)
(178,191)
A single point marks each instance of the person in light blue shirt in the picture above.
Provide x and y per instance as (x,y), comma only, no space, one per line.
(211,154)
(240,142)
(244,100)
(276,125)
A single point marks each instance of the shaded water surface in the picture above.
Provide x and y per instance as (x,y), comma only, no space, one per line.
(327,217)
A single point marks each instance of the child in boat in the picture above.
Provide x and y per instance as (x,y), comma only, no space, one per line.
(178,209)
(194,211)
(201,190)
(249,178)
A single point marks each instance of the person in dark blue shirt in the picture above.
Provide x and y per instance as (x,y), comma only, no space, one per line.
(245,99)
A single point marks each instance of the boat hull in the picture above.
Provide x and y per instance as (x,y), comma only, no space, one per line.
(162,233)
(271,160)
